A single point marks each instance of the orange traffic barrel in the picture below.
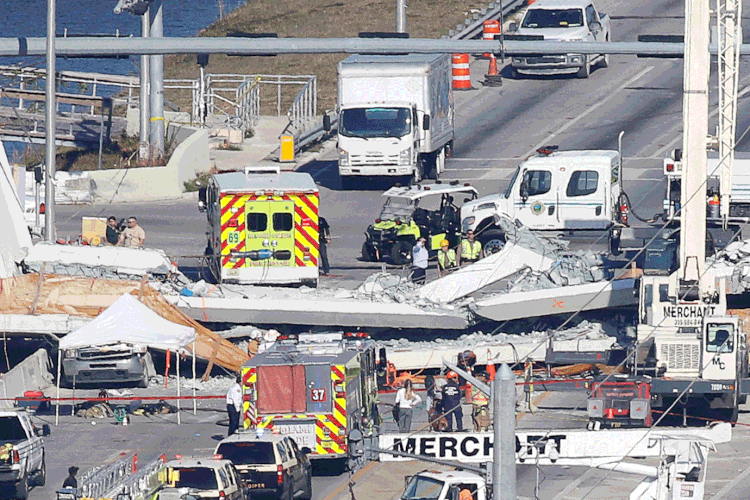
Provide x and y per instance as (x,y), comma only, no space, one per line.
(490,28)
(461,73)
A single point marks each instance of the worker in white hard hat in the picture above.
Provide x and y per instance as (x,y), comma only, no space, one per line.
(446,258)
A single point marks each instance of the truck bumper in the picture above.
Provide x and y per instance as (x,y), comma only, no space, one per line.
(563,64)
(376,170)
(9,475)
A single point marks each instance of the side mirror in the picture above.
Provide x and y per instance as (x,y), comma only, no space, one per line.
(202,199)
(326,123)
(426,122)
(524,191)
(595,26)
(513,27)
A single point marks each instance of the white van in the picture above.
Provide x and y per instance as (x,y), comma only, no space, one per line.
(552,191)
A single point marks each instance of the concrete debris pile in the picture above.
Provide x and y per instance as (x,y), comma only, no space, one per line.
(573,269)
(734,264)
(102,262)
(525,237)
(213,385)
(34,296)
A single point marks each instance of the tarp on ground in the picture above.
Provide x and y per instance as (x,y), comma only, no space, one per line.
(16,240)
(128,320)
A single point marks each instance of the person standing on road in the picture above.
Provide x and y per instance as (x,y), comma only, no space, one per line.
(234,405)
(406,399)
(71,481)
(471,249)
(133,236)
(451,402)
(420,255)
(324,235)
(446,258)
(113,235)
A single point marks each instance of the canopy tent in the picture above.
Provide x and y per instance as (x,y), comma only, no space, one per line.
(130,321)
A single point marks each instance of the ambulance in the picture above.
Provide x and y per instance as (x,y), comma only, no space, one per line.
(262,226)
(314,387)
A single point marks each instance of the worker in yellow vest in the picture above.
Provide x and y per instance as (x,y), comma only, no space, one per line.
(446,258)
(471,249)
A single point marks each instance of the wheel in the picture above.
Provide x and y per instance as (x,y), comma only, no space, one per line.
(368,253)
(431,169)
(492,242)
(585,70)
(604,62)
(401,253)
(143,383)
(22,489)
(41,477)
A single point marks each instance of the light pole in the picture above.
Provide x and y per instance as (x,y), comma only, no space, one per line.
(49,185)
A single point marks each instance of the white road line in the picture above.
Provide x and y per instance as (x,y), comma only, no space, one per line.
(588,111)
(573,485)
(729,487)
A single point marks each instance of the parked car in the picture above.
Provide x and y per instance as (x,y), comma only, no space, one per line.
(203,478)
(270,464)
(22,456)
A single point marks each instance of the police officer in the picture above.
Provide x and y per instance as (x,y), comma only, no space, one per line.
(446,258)
(451,402)
(471,249)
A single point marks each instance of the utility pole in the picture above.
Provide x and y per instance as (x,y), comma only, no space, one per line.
(504,428)
(400,16)
(143,152)
(49,186)
(157,83)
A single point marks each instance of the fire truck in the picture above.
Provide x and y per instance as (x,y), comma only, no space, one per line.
(262,226)
(314,387)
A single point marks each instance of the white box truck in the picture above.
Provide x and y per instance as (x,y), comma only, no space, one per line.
(395,116)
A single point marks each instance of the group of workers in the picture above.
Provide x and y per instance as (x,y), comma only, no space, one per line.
(447,258)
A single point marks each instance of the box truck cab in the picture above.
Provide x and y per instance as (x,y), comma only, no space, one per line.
(262,226)
(395,116)
(554,190)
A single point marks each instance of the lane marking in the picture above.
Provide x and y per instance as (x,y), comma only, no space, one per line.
(588,111)
(729,487)
(573,485)
(341,487)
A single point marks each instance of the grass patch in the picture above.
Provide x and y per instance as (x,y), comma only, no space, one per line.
(200,181)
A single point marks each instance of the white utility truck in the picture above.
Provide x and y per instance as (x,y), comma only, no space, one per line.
(22,457)
(562,21)
(552,191)
(395,116)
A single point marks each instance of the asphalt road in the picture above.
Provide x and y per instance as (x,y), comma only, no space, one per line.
(496,129)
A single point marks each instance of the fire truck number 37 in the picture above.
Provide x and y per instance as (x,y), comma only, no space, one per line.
(317,394)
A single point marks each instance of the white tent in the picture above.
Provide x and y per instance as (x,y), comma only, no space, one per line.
(128,320)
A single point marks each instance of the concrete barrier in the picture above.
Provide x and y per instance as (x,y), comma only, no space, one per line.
(32,374)
(157,183)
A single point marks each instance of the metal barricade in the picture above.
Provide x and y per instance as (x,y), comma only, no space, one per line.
(97,481)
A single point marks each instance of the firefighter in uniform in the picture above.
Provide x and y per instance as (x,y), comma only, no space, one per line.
(451,402)
(471,249)
(446,258)
(480,406)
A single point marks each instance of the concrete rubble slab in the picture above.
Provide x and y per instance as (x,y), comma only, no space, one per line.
(55,324)
(16,240)
(382,301)
(558,300)
(31,374)
(499,348)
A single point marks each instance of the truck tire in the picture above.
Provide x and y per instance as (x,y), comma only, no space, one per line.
(604,62)
(431,166)
(41,476)
(585,70)
(22,488)
(492,242)
(401,253)
(143,383)
(368,253)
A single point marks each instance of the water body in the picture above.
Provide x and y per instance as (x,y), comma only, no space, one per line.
(28,18)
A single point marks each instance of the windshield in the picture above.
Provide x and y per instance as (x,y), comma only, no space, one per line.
(397,208)
(201,478)
(246,453)
(548,18)
(375,122)
(509,189)
(422,488)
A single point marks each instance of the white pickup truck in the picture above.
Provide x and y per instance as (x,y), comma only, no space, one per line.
(565,21)
(444,485)
(21,453)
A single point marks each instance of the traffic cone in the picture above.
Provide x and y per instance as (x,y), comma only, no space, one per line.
(492,78)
